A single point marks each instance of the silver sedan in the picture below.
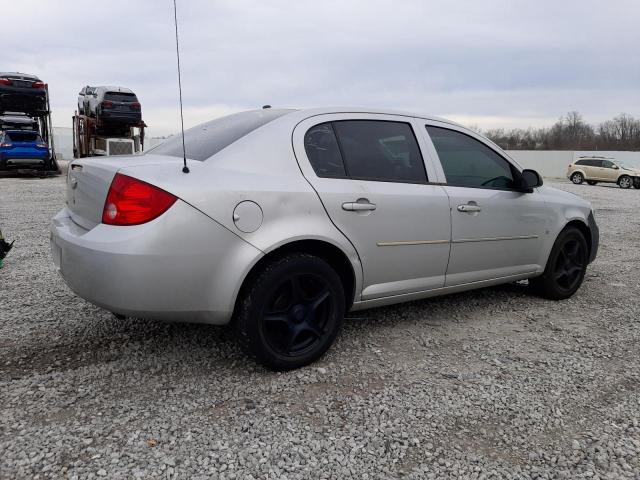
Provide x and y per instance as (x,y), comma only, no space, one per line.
(290,218)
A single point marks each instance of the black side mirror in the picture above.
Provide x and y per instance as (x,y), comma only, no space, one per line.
(530,180)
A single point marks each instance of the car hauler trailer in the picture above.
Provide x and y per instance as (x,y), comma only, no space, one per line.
(41,122)
(92,137)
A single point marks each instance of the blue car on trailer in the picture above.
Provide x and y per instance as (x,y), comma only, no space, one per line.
(21,149)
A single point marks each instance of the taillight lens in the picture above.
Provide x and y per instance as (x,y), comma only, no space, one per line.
(6,144)
(107,104)
(135,106)
(5,81)
(41,145)
(37,85)
(131,202)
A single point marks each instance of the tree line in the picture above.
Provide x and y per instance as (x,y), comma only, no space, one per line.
(571,132)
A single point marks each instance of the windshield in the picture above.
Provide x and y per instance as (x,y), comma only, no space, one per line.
(209,138)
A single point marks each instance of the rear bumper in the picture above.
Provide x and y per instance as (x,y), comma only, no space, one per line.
(182,266)
(120,117)
(595,237)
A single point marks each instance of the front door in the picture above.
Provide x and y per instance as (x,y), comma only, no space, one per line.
(371,177)
(496,231)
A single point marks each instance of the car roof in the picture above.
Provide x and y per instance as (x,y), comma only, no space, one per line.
(26,76)
(311,112)
(112,88)
(19,131)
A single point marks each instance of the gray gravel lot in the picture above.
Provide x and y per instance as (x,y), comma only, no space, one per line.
(488,384)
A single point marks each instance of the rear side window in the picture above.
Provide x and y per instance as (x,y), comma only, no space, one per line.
(120,97)
(23,136)
(589,163)
(380,150)
(469,163)
(324,154)
(209,138)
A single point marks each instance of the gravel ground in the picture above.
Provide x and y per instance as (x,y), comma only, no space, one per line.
(488,384)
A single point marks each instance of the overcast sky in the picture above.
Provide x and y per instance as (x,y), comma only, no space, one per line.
(502,63)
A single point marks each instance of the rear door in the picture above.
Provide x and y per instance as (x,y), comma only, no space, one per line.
(371,176)
(496,231)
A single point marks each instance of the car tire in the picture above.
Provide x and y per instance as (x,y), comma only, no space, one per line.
(290,312)
(566,266)
(577,178)
(625,181)
(592,182)
(636,182)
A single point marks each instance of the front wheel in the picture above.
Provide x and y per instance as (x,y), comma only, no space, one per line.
(577,178)
(636,182)
(592,182)
(291,311)
(625,182)
(565,267)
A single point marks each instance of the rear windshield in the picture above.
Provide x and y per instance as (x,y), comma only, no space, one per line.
(209,138)
(120,97)
(23,136)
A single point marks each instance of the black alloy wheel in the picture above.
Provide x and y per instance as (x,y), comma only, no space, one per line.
(566,266)
(290,312)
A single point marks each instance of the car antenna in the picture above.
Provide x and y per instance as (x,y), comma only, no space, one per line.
(185,169)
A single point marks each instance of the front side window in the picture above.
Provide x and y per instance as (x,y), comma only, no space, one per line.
(469,163)
(607,164)
(380,150)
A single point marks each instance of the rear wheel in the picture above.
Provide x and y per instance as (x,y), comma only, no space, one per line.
(291,311)
(565,267)
(636,182)
(592,182)
(625,181)
(577,178)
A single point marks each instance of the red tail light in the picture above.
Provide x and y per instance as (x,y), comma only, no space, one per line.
(37,85)
(6,144)
(107,104)
(135,106)
(131,202)
(5,81)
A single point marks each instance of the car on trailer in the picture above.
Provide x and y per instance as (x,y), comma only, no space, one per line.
(115,105)
(22,92)
(21,149)
(24,105)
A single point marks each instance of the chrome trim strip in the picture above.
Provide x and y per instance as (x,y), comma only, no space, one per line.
(412,242)
(494,239)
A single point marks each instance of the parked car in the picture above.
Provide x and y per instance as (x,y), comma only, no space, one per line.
(606,170)
(288,219)
(113,105)
(22,149)
(22,92)
(83,99)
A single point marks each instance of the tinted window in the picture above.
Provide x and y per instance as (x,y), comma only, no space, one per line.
(120,97)
(209,138)
(607,163)
(582,162)
(468,162)
(23,136)
(322,149)
(380,150)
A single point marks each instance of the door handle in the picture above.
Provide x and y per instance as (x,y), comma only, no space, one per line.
(358,206)
(469,208)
